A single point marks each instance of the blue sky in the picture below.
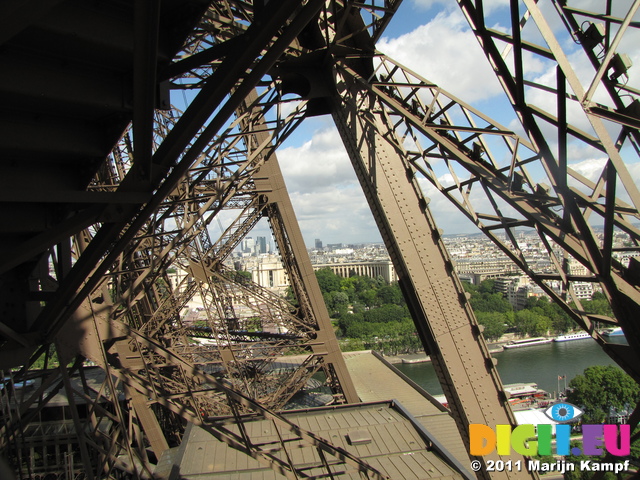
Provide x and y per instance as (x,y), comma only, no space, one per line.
(432,38)
(327,198)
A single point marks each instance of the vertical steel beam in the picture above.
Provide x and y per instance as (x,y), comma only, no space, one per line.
(93,263)
(132,361)
(73,408)
(437,301)
(596,123)
(147,20)
(269,179)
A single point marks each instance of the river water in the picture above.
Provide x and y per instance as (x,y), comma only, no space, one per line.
(541,364)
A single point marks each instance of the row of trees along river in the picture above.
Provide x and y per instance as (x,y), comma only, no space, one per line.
(372,314)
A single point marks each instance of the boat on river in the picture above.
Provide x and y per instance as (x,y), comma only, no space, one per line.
(522,396)
(525,396)
(614,332)
(527,342)
(572,336)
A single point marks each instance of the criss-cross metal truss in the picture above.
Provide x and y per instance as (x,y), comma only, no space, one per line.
(99,285)
(588,104)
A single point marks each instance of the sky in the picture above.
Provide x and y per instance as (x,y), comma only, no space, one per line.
(432,38)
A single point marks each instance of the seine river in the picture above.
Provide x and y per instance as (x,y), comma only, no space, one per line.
(541,364)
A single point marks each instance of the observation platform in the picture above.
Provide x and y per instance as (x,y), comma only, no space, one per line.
(409,436)
(377,380)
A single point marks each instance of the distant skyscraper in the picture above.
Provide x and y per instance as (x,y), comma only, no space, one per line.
(261,245)
(248,245)
(318,243)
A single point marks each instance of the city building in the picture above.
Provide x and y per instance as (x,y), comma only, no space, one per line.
(477,269)
(261,245)
(248,245)
(372,269)
(267,271)
(513,288)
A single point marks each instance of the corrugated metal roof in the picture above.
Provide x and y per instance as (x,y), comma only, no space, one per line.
(374,381)
(377,433)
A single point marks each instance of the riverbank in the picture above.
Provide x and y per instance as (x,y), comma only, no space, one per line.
(494,347)
(551,366)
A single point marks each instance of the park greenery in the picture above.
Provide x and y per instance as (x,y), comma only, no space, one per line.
(603,388)
(600,391)
(371,313)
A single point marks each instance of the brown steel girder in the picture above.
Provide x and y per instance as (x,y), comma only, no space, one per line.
(432,119)
(618,282)
(437,301)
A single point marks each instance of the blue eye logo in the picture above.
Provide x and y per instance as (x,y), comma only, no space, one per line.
(563,412)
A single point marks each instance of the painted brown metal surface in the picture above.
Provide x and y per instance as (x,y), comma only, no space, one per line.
(87,243)
(436,299)
(575,201)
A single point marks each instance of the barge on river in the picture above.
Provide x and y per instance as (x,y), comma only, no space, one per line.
(527,342)
(572,336)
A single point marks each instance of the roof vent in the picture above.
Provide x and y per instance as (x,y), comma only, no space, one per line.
(359,437)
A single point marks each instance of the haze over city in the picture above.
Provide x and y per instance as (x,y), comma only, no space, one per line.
(326,195)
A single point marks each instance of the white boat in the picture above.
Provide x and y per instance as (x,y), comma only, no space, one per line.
(527,342)
(614,332)
(515,390)
(572,336)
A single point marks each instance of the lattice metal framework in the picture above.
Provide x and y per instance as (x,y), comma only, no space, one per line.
(97,284)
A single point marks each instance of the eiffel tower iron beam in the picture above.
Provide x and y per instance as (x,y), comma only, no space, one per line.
(437,301)
(467,144)
(108,287)
(579,120)
(293,251)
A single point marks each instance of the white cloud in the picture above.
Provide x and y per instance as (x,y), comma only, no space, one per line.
(327,198)
(329,202)
(446,52)
(489,5)
(325,192)
(318,164)
(335,215)
(591,168)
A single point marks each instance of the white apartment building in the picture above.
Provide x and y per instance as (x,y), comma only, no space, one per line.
(267,271)
(365,268)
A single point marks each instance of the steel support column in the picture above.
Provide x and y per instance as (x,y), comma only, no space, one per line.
(269,179)
(437,301)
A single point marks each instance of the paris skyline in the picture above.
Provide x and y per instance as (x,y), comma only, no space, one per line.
(325,193)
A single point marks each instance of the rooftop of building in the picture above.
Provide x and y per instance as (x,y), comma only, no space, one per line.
(380,434)
(409,436)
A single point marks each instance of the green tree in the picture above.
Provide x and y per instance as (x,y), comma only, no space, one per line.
(469,287)
(487,286)
(528,322)
(368,297)
(635,445)
(386,314)
(51,361)
(328,281)
(388,294)
(601,387)
(243,275)
(483,298)
(348,286)
(494,324)
(337,302)
(598,305)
